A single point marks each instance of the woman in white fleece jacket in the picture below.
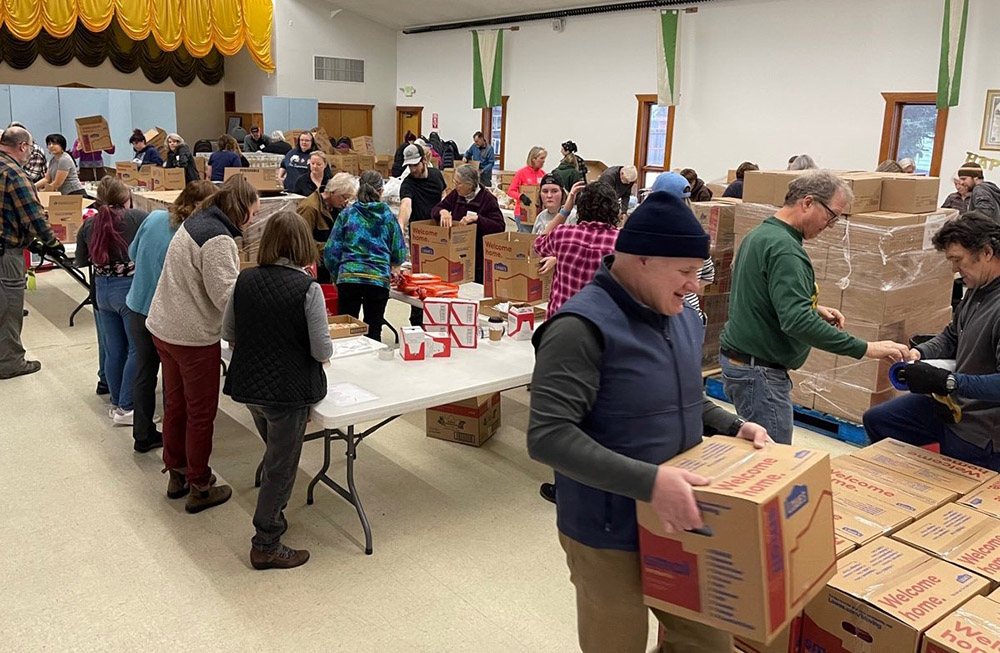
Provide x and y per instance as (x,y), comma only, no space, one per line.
(185,320)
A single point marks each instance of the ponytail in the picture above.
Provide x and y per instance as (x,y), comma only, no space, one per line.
(106,239)
(370,187)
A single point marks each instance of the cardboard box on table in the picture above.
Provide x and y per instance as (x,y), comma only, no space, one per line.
(93,133)
(882,599)
(767,186)
(985,498)
(346,326)
(366,162)
(867,189)
(912,496)
(767,546)
(167,178)
(448,252)
(472,421)
(363,145)
(132,175)
(449,179)
(66,215)
(960,535)
(973,628)
(265,180)
(510,268)
(929,466)
(344,163)
(383,164)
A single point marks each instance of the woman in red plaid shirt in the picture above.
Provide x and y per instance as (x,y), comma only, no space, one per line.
(578,249)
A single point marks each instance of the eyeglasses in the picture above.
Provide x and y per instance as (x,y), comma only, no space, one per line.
(834,217)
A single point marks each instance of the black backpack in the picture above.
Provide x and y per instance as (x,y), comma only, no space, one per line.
(204,145)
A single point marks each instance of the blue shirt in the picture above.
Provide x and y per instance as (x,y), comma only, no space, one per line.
(148,250)
(221,160)
(485,157)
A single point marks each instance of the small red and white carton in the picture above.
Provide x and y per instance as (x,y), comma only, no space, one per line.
(437,311)
(438,342)
(520,322)
(464,312)
(465,337)
(414,344)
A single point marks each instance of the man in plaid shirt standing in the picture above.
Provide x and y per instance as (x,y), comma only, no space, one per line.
(23,222)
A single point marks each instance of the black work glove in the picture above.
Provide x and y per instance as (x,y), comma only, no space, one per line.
(525,200)
(925,379)
(55,250)
(36,247)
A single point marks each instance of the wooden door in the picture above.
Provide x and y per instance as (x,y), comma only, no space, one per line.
(348,120)
(408,119)
(330,120)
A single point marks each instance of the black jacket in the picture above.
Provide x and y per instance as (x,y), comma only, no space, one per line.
(183,158)
(272,362)
(985,199)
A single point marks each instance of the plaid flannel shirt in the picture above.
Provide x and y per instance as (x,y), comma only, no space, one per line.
(23,216)
(35,167)
(579,250)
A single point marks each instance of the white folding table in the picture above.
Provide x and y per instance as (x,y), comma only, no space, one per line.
(406,386)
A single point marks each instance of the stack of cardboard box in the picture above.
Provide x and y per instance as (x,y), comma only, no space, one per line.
(879,268)
(718,218)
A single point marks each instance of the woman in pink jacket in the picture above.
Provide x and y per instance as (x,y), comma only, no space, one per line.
(529,175)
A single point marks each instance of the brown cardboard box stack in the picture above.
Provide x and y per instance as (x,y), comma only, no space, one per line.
(718,218)
(880,269)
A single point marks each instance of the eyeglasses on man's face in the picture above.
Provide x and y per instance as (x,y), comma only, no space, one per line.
(834,216)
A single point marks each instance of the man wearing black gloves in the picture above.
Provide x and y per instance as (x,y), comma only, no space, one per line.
(616,392)
(23,223)
(972,244)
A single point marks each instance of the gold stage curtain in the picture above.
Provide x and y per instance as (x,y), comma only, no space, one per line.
(198,25)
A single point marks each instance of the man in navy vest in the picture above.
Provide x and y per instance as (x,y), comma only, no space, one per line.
(616,392)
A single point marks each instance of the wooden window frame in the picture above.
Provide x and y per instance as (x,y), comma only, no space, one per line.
(407,109)
(486,126)
(647,100)
(893,117)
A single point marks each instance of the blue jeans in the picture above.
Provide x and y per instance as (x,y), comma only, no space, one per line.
(761,395)
(101,344)
(119,355)
(915,419)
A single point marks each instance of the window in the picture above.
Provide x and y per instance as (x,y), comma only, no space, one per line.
(494,128)
(654,134)
(336,69)
(913,127)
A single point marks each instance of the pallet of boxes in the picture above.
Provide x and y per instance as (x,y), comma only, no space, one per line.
(718,218)
(879,268)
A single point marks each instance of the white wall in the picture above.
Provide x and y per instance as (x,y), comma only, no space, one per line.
(760,80)
(199,106)
(303,28)
(248,82)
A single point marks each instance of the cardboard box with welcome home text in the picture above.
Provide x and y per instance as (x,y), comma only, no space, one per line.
(449,252)
(767,546)
(883,598)
(510,268)
(855,477)
(973,628)
(960,535)
(928,466)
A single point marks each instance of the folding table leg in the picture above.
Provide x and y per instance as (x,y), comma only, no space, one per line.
(352,489)
(327,440)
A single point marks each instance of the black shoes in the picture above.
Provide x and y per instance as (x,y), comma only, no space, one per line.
(548,492)
(102,388)
(30,367)
(155,441)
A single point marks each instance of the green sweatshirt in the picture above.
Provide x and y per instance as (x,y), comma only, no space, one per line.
(772,308)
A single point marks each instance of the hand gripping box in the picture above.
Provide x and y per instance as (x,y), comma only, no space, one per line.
(973,628)
(767,546)
(883,598)
(449,252)
(960,535)
(943,471)
(855,477)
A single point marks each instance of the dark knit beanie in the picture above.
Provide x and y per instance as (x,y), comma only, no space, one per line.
(663,225)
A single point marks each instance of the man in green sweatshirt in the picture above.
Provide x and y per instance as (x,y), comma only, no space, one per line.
(774,318)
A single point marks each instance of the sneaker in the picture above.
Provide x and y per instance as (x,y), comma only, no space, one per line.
(30,367)
(112,409)
(103,389)
(177,487)
(122,417)
(204,498)
(282,558)
(548,492)
(155,441)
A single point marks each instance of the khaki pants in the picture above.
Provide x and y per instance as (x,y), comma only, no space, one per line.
(610,614)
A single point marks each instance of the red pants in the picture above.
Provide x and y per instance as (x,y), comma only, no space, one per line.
(191,377)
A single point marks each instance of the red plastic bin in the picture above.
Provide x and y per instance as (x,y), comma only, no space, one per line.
(330,296)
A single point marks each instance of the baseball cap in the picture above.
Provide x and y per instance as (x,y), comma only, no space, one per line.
(412,154)
(673,183)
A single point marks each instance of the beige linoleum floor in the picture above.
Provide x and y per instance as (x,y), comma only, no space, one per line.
(93,557)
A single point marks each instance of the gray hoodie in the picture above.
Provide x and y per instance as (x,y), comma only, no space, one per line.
(985,199)
(973,340)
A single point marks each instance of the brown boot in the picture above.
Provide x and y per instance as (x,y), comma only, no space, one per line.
(177,487)
(207,497)
(283,558)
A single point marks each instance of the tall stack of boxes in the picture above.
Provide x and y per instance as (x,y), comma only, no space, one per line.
(718,219)
(879,268)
